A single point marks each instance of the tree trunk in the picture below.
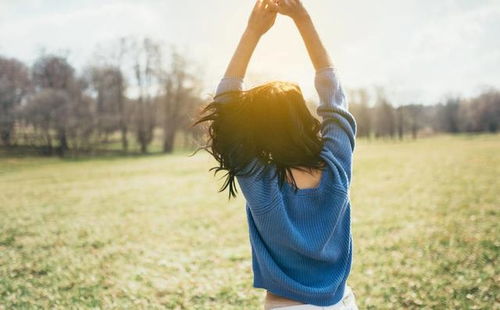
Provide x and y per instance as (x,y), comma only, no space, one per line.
(144,147)
(141,137)
(63,143)
(186,140)
(6,133)
(123,130)
(400,123)
(168,140)
(121,111)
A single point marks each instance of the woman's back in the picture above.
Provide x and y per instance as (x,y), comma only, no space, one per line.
(306,179)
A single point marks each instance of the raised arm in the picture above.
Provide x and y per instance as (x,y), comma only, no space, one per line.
(317,52)
(338,125)
(261,194)
(261,20)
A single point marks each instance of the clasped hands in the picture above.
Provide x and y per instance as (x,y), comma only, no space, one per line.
(265,12)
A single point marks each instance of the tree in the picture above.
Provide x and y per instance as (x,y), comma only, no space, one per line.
(146,60)
(415,114)
(180,99)
(59,94)
(446,116)
(360,109)
(43,111)
(385,122)
(14,86)
(112,59)
(400,121)
(480,114)
(111,113)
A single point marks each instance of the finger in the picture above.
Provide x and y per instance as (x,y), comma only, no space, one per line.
(271,6)
(274,7)
(259,4)
(282,4)
(270,3)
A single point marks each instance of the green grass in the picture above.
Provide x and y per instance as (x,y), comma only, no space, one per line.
(152,232)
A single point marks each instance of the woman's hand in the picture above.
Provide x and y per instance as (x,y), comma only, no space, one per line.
(292,8)
(261,20)
(263,16)
(317,52)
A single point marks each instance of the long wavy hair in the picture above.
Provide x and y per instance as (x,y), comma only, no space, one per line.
(270,123)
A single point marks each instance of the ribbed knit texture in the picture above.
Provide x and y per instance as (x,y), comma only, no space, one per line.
(301,242)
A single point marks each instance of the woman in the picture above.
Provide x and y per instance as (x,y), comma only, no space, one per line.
(293,170)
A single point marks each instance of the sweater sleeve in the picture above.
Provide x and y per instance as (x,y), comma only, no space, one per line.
(259,187)
(229,84)
(338,125)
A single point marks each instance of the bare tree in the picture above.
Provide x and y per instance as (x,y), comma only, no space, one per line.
(146,59)
(193,134)
(415,118)
(108,84)
(385,123)
(446,116)
(480,114)
(359,106)
(400,121)
(180,99)
(110,62)
(43,111)
(59,93)
(14,85)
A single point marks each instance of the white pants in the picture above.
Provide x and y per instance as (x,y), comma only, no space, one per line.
(348,302)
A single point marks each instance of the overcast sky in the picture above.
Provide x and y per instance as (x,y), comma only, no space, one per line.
(418,50)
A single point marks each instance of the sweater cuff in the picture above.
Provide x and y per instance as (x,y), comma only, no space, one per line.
(325,69)
(327,75)
(329,89)
(229,84)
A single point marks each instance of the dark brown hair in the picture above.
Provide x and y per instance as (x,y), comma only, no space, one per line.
(270,122)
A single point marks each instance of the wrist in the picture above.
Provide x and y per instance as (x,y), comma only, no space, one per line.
(252,32)
(301,17)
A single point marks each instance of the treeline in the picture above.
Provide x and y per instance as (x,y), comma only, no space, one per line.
(127,95)
(454,115)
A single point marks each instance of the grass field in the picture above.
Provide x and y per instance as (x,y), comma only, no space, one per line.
(153,233)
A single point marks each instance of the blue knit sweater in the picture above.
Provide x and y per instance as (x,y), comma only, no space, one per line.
(301,242)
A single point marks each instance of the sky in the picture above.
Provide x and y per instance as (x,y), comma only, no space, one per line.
(419,51)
